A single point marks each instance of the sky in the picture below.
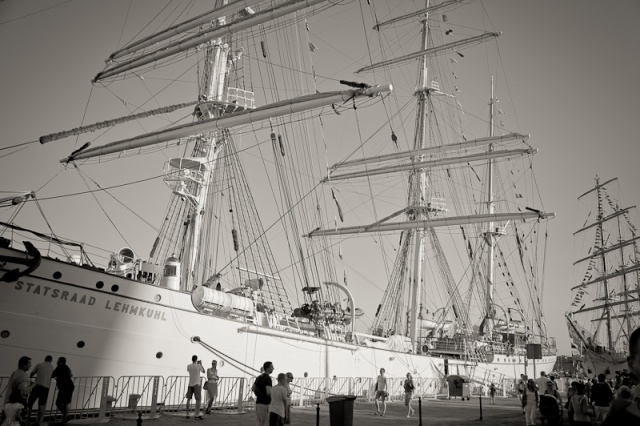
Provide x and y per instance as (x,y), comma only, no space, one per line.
(572,68)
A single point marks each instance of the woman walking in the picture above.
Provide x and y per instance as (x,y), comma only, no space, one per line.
(212,385)
(409,387)
(530,402)
(579,406)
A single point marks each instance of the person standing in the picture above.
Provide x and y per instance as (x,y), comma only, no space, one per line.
(541,382)
(212,385)
(40,392)
(601,395)
(64,379)
(631,414)
(194,389)
(288,381)
(262,389)
(19,385)
(522,386)
(530,402)
(492,394)
(579,406)
(409,387)
(278,403)
(381,393)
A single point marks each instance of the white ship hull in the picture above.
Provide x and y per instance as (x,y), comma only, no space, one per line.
(138,329)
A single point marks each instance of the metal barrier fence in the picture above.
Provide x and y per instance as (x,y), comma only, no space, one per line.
(100,397)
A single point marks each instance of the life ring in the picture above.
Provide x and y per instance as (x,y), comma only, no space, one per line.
(488,349)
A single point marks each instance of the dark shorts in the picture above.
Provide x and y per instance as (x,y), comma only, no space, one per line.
(39,393)
(276,420)
(64,396)
(194,391)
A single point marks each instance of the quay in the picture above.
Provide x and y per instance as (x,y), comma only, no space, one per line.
(160,401)
(440,412)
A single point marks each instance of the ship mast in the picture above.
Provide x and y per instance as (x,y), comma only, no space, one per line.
(416,200)
(489,236)
(606,307)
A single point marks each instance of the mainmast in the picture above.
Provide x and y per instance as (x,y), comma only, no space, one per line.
(417,197)
(606,308)
(489,236)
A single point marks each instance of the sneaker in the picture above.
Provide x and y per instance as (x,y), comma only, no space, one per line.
(198,418)
(408,416)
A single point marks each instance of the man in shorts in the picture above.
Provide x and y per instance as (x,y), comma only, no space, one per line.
(381,393)
(194,389)
(522,385)
(40,392)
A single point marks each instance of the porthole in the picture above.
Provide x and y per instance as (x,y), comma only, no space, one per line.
(99,284)
(4,334)
(115,288)
(159,355)
(57,275)
(80,344)
(157,297)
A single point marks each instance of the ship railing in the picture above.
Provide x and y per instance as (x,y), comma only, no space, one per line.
(98,398)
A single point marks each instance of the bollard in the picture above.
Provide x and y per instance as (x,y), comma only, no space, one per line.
(480,399)
(420,410)
(139,421)
(318,414)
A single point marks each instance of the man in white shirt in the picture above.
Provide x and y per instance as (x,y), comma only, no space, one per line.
(40,392)
(278,403)
(541,382)
(194,389)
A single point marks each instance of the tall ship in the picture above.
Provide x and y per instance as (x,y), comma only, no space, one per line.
(605,307)
(303,178)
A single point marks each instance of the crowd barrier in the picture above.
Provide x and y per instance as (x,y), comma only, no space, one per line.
(97,398)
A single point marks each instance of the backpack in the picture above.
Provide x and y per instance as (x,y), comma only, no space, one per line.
(548,405)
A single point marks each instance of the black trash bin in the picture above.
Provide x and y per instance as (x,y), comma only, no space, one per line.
(341,410)
(459,386)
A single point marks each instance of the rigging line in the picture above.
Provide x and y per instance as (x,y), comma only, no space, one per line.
(81,174)
(14,152)
(17,146)
(124,24)
(33,13)
(84,115)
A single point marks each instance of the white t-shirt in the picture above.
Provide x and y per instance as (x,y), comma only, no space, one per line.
(43,372)
(278,399)
(194,373)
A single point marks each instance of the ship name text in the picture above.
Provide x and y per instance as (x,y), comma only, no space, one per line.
(71,296)
(55,293)
(135,310)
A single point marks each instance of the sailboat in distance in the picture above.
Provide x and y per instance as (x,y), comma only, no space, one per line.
(605,306)
(297,184)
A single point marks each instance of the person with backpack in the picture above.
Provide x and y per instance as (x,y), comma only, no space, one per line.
(409,387)
(530,402)
(601,396)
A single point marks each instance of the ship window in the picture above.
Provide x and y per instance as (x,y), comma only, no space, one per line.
(4,334)
(159,355)
(170,270)
(99,284)
(57,275)
(157,297)
(80,344)
(115,288)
